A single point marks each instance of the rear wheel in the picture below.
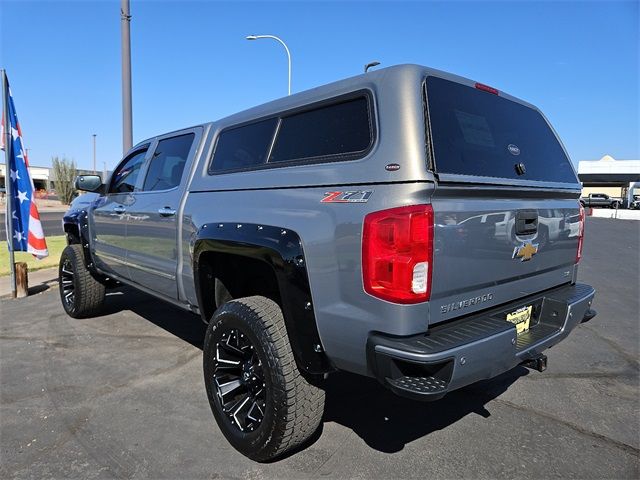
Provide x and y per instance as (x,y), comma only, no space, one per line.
(261,402)
(80,293)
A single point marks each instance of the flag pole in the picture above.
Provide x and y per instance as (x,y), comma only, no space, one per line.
(8,217)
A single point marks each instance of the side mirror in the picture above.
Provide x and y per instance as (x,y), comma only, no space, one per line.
(89,183)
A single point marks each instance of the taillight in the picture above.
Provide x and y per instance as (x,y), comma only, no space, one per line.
(580,234)
(397,253)
(487,88)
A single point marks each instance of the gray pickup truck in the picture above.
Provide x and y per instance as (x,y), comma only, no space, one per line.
(406,224)
(600,200)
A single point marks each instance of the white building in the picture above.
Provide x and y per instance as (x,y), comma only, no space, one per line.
(41,176)
(616,178)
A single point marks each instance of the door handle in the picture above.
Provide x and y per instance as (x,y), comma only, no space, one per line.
(166,212)
(119,209)
(526,222)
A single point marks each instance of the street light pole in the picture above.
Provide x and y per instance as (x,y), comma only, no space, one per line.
(94,153)
(256,37)
(125,23)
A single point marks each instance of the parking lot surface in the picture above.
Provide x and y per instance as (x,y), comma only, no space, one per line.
(122,395)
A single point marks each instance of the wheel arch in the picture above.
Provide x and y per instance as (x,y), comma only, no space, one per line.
(262,251)
(76,228)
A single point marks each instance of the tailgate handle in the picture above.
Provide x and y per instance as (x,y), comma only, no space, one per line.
(526,222)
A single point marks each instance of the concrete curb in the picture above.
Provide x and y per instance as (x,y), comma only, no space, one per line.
(53,209)
(39,281)
(621,214)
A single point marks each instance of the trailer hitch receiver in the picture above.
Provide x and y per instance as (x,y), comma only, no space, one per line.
(538,363)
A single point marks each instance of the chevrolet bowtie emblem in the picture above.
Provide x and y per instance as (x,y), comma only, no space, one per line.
(525,251)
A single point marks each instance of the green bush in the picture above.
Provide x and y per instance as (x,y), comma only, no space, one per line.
(64,172)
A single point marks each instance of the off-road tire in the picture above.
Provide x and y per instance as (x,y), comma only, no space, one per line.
(293,407)
(87,292)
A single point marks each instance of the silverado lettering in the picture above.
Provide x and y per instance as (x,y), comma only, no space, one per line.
(466,303)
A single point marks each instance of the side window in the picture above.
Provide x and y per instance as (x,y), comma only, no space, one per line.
(338,129)
(244,147)
(167,163)
(125,175)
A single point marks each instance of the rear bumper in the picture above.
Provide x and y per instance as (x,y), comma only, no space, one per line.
(477,347)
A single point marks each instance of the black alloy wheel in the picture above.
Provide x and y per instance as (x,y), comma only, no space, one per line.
(262,403)
(239,380)
(67,284)
(81,294)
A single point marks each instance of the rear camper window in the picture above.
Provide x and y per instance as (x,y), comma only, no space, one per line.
(475,132)
(342,129)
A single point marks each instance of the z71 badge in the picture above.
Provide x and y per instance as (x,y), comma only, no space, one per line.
(356,196)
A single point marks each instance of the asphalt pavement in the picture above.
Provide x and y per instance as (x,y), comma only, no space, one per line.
(122,396)
(51,224)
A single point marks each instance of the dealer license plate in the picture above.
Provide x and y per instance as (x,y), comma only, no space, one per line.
(521,318)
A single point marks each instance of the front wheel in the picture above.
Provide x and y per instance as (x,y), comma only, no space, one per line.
(81,294)
(260,400)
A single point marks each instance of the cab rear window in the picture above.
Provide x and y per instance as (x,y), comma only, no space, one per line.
(334,130)
(475,132)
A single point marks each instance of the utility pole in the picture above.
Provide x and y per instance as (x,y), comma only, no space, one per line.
(125,24)
(94,153)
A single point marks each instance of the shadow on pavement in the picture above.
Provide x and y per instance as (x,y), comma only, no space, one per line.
(43,287)
(387,422)
(184,325)
(384,421)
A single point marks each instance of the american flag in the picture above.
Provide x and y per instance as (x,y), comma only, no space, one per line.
(24,229)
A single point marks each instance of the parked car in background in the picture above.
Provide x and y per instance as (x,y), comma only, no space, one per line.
(601,200)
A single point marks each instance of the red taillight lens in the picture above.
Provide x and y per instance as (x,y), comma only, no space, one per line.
(487,88)
(397,253)
(580,234)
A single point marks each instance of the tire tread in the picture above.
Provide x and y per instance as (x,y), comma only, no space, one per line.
(302,402)
(89,293)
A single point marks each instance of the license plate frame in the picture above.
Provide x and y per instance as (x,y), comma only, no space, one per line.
(521,318)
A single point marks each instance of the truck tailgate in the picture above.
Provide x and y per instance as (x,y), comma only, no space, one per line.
(484,256)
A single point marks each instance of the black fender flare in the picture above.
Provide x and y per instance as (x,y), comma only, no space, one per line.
(80,220)
(281,249)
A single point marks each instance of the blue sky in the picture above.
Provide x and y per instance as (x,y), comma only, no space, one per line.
(578,61)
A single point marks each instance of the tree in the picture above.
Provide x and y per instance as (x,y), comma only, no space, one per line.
(64,171)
